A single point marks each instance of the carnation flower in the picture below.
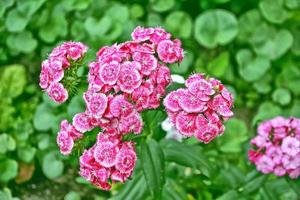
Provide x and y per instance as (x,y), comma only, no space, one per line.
(200,109)
(277,147)
(52,72)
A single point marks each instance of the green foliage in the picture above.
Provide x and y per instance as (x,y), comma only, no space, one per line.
(253,47)
(215,27)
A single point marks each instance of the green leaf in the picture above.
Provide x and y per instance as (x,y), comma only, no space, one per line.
(153,164)
(282,96)
(217,67)
(76,105)
(52,167)
(72,196)
(43,118)
(8,169)
(136,188)
(186,155)
(247,24)
(15,75)
(162,5)
(118,13)
(270,43)
(215,27)
(235,134)
(273,11)
(295,109)
(266,110)
(182,18)
(95,27)
(289,78)
(292,4)
(54,28)
(174,191)
(4,4)
(254,184)
(26,154)
(296,43)
(136,11)
(251,68)
(15,21)
(29,7)
(7,143)
(23,42)
(232,194)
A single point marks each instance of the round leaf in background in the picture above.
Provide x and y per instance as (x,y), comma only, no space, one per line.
(247,24)
(95,27)
(118,13)
(72,196)
(251,68)
(215,27)
(43,118)
(179,23)
(282,96)
(52,166)
(8,169)
(218,66)
(162,5)
(7,143)
(235,134)
(22,42)
(15,21)
(273,10)
(271,43)
(15,75)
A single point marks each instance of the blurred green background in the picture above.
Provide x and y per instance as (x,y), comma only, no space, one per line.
(252,46)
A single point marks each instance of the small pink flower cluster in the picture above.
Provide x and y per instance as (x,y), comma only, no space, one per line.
(201,108)
(277,147)
(125,80)
(52,71)
(109,160)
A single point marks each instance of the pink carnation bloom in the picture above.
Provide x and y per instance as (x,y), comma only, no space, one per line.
(279,146)
(109,72)
(57,92)
(170,51)
(129,78)
(82,123)
(126,159)
(204,101)
(132,123)
(96,103)
(119,106)
(65,142)
(105,154)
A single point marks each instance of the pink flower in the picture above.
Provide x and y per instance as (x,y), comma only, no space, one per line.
(129,78)
(190,103)
(171,102)
(57,92)
(142,34)
(64,142)
(186,124)
(119,106)
(170,51)
(132,123)
(105,154)
(265,164)
(203,100)
(45,77)
(126,159)
(96,103)
(109,72)
(206,133)
(82,123)
(290,146)
(147,61)
(278,142)
(118,176)
(70,129)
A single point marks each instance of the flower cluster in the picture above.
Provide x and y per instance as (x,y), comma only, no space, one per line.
(124,80)
(277,147)
(201,108)
(52,72)
(108,161)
